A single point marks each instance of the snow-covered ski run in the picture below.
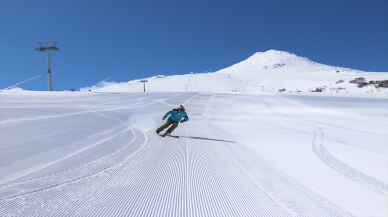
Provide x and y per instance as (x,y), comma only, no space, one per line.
(90,154)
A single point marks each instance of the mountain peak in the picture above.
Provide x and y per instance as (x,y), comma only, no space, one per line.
(273,60)
(271,57)
(276,52)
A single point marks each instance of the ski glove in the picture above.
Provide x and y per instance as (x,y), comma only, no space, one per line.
(185,119)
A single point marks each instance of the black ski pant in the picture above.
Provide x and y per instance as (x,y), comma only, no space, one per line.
(171,125)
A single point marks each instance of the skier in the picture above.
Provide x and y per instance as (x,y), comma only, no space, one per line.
(175,116)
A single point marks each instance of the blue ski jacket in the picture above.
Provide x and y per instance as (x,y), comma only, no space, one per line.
(176,116)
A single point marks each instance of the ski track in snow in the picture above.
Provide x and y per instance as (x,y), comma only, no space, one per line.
(329,159)
(22,180)
(152,176)
(85,168)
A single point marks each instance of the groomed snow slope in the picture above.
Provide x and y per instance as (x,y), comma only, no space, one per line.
(263,72)
(71,154)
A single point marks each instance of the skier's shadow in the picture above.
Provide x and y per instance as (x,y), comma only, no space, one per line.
(203,138)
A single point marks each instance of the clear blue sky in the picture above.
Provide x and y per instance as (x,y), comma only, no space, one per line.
(124,39)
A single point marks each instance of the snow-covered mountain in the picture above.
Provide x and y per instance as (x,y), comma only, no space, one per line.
(268,72)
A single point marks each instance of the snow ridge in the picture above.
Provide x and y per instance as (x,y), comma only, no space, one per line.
(268,72)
